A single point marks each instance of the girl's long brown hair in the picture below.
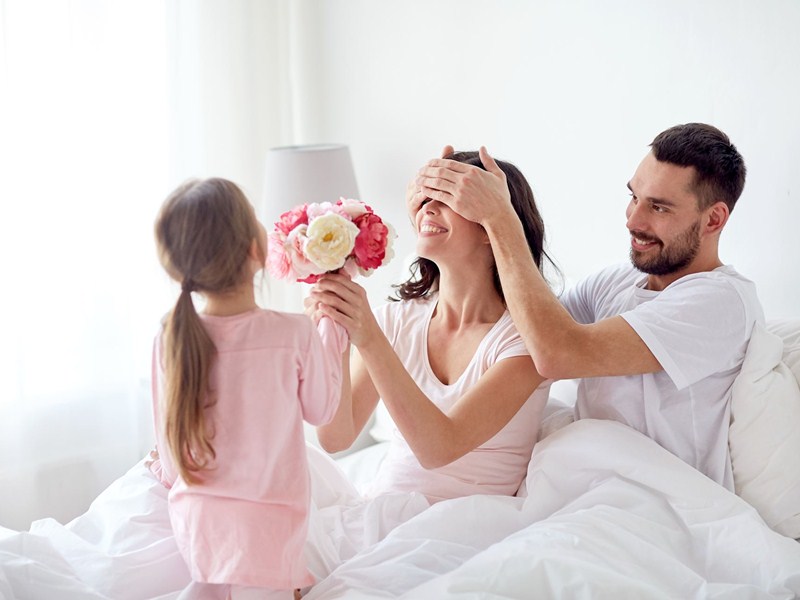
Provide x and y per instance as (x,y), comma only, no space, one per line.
(204,232)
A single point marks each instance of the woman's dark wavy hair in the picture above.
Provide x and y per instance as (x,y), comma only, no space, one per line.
(424,272)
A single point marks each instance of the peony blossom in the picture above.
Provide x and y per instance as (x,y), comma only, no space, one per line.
(296,249)
(370,246)
(352,208)
(278,263)
(315,210)
(390,237)
(291,219)
(351,268)
(313,239)
(330,239)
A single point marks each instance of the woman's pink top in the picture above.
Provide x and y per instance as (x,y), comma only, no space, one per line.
(246,523)
(495,467)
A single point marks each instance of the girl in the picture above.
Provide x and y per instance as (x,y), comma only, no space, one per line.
(231,387)
(446,360)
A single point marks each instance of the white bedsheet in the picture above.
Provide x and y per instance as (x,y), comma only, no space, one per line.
(609,515)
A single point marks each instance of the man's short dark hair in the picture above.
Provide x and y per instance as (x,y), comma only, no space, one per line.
(720,168)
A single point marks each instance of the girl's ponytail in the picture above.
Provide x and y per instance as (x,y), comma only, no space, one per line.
(189,352)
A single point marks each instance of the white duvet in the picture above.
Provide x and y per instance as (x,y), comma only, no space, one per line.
(609,514)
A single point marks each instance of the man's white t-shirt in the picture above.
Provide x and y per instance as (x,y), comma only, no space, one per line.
(498,465)
(698,328)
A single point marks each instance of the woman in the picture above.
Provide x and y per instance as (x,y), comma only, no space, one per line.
(445,359)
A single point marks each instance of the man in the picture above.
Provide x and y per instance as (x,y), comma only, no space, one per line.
(657,343)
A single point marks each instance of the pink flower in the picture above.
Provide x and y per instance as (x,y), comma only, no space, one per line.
(321,237)
(370,246)
(351,208)
(351,269)
(295,247)
(291,219)
(319,209)
(278,263)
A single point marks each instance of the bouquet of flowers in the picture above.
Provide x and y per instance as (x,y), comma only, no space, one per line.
(313,239)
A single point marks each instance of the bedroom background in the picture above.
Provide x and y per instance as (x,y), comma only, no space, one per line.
(106,105)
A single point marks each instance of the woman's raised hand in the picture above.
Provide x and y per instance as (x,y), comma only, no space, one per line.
(345,302)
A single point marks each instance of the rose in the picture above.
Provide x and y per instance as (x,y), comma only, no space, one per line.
(370,245)
(329,240)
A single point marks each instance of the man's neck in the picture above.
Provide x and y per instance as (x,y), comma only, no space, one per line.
(658,283)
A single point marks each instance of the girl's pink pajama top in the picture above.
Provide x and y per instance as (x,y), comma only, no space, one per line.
(246,523)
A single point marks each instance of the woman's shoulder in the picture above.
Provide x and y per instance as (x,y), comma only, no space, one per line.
(505,327)
(504,339)
(403,309)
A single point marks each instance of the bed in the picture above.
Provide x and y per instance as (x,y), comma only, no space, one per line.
(604,513)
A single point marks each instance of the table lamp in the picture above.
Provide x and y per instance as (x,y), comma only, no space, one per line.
(300,175)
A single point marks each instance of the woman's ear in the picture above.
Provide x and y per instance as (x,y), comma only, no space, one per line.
(716,217)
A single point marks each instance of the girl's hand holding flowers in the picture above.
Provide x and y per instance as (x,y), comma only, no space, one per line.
(344,301)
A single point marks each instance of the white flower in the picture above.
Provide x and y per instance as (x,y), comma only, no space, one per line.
(330,239)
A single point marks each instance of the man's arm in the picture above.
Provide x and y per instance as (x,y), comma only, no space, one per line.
(560,347)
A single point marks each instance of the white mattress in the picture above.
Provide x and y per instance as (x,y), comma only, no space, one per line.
(609,514)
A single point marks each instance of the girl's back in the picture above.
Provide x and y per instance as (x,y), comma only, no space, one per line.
(248,513)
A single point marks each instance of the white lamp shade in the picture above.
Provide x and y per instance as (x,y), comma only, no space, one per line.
(302,174)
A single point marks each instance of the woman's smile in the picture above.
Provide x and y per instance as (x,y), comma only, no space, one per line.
(430,227)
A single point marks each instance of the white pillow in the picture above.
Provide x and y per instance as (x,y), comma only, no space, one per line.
(789,330)
(764,435)
(556,415)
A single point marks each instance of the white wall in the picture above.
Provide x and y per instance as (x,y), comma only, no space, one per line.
(571,92)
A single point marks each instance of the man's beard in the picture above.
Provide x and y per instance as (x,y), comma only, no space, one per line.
(669,259)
